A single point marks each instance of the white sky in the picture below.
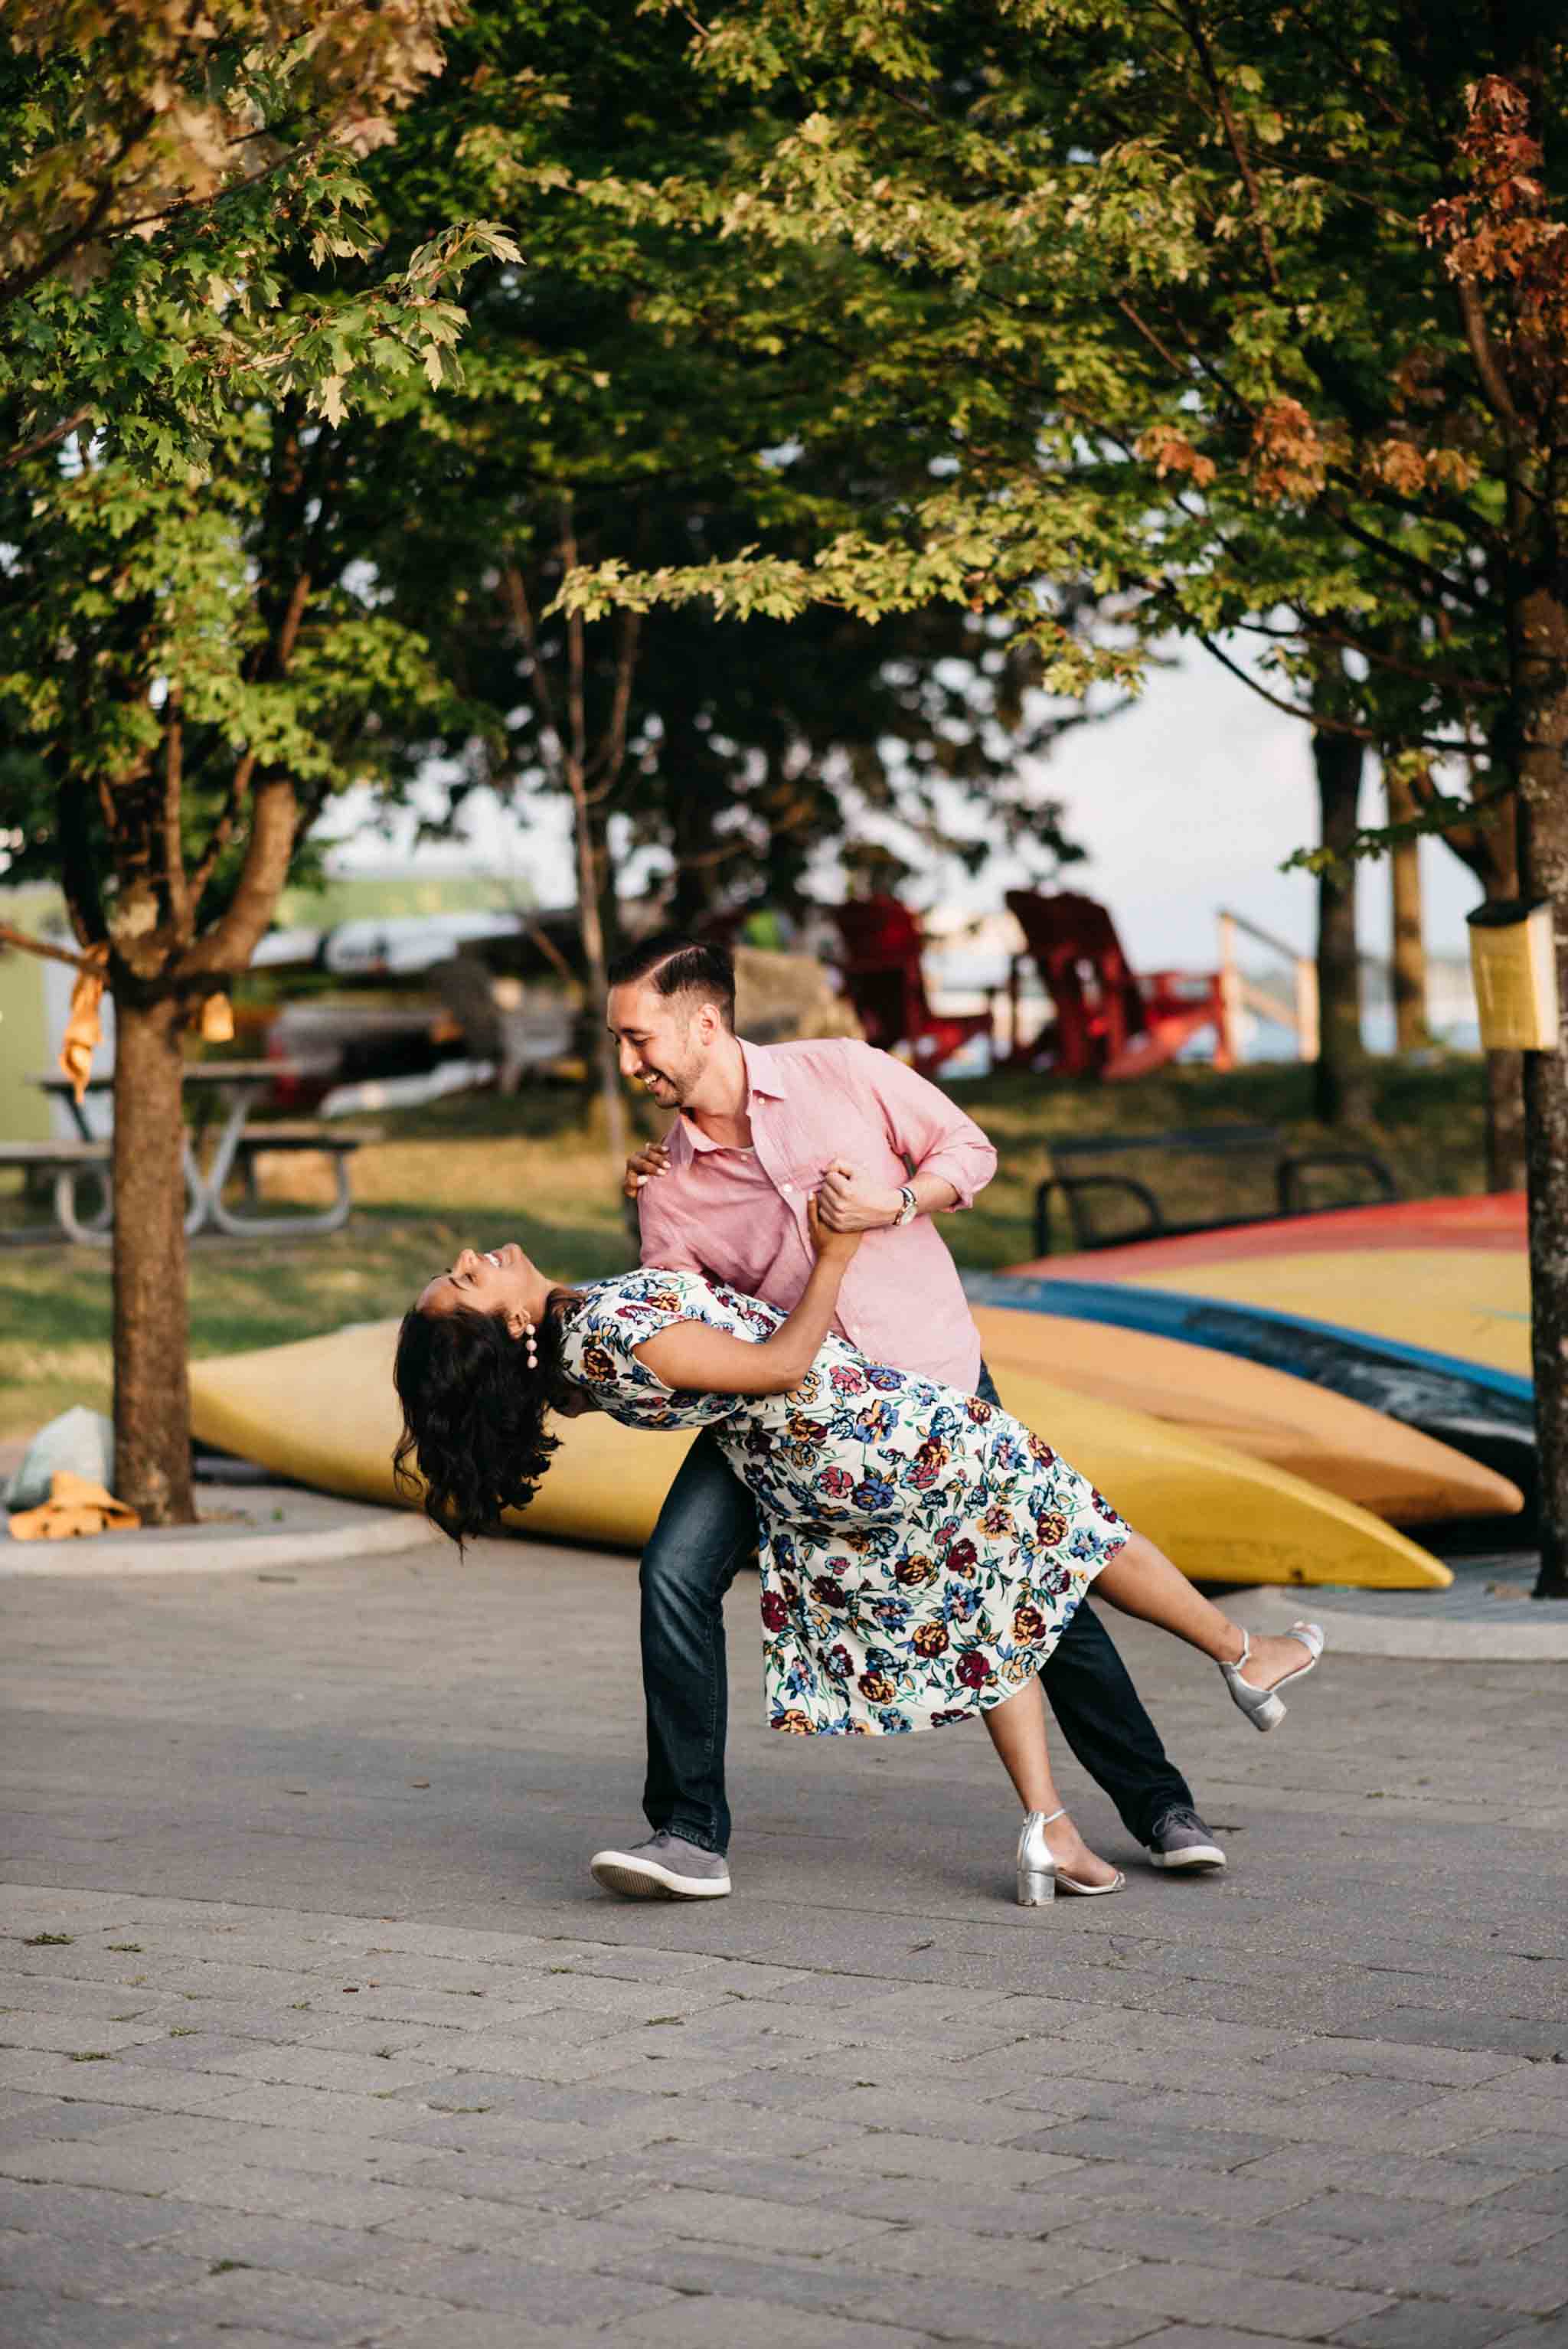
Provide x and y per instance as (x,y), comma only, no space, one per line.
(1189,802)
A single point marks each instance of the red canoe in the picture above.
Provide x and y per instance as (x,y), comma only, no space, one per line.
(1488,1220)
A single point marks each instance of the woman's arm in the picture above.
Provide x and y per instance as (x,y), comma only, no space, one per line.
(690,1356)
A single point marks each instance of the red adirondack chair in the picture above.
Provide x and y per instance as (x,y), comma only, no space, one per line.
(884,979)
(1111,1022)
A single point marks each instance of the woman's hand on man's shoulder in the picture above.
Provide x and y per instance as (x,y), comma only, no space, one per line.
(652,1159)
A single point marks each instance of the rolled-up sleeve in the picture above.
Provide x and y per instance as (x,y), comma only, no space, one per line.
(929,1130)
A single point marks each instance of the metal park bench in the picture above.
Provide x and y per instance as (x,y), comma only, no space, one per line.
(1291,1173)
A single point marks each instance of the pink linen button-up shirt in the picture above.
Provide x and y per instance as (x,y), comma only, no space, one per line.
(740,1215)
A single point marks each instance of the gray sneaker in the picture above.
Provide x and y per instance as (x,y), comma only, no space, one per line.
(665,1868)
(1181,1841)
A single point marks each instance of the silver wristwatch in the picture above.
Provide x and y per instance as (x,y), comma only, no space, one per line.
(908,1206)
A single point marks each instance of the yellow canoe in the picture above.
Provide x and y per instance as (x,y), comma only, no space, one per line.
(1473,1303)
(323,1410)
(1394,1471)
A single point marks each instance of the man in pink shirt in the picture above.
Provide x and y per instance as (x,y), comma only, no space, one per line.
(760,1127)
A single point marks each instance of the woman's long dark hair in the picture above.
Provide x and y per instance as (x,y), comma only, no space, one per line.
(473,1413)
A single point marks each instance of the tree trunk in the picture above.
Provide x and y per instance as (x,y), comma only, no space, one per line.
(1544,873)
(1341,1077)
(152,1400)
(1409,958)
(591,873)
(1505,1168)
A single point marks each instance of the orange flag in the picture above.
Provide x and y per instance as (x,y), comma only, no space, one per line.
(84,1028)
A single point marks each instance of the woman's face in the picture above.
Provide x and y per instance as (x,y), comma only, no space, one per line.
(502,1281)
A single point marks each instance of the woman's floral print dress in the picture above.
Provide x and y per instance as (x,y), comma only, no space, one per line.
(920,1550)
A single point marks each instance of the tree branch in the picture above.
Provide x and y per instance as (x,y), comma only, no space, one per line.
(29,945)
(1237,144)
(175,878)
(611,752)
(1473,319)
(42,440)
(1325,725)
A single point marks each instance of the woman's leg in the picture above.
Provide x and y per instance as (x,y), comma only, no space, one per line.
(1141,1580)
(1018,1730)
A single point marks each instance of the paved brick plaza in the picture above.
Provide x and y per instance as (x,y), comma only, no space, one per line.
(317,2031)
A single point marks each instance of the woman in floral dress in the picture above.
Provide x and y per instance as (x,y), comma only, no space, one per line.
(920,1550)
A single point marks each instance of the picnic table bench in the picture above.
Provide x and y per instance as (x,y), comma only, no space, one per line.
(67,1161)
(261,1142)
(241,1083)
(1291,1172)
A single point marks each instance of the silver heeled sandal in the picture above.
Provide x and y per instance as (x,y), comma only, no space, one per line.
(1039,1878)
(1264,1707)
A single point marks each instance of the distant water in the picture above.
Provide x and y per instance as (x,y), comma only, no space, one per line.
(1260,1039)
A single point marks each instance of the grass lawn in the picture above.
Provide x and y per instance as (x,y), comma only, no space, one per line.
(477,1168)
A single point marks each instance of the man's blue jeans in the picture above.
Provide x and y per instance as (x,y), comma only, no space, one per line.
(706,1531)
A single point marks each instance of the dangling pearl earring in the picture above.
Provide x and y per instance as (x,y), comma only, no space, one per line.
(531,1344)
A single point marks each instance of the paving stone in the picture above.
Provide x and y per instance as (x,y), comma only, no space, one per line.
(1227,2197)
(949,2253)
(1299,2312)
(94,2270)
(1428,2324)
(1515,2149)
(1247,2251)
(43,2320)
(305,2308)
(911,2113)
(1160,2142)
(1547,2192)
(894,2155)
(1502,2107)
(118,2082)
(1433,2179)
(84,2214)
(1203,2337)
(543,2295)
(1536,2286)
(45,2117)
(737,2219)
(482,2328)
(1480,2230)
(296,2246)
(725,2323)
(1384,2059)
(1020,2315)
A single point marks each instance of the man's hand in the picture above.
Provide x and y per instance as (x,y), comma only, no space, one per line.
(849,1201)
(652,1159)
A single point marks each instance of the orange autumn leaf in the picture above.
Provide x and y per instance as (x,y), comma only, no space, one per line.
(1170,452)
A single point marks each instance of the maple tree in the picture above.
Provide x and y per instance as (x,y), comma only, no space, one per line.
(1255,314)
(191,294)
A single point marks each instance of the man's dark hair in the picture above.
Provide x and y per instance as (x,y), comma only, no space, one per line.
(673,964)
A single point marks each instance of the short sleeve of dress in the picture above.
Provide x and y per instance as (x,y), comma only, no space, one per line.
(613,1318)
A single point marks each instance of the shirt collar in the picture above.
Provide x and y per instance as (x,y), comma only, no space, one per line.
(760,1075)
(761,1080)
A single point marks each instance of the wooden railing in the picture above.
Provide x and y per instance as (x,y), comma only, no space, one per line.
(1243,994)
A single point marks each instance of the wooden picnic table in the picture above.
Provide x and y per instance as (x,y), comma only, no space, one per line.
(243,1082)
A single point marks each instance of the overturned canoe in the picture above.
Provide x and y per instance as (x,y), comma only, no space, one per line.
(1360,1454)
(1487,1413)
(323,1410)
